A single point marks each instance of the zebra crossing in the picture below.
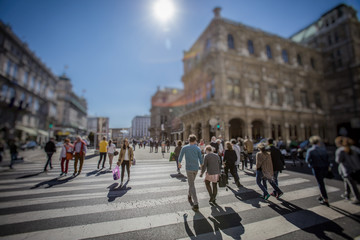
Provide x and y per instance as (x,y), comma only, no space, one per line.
(153,205)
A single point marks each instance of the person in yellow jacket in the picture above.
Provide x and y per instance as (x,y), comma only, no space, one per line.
(126,158)
(103,150)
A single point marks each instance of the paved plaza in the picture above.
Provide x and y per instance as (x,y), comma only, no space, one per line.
(153,205)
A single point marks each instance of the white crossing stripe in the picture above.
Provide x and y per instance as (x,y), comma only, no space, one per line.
(100,185)
(101,208)
(269,227)
(289,223)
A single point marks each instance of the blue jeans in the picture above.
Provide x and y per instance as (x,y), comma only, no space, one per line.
(276,175)
(259,179)
(320,173)
(248,156)
(13,158)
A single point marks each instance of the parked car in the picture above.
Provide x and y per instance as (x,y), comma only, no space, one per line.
(29,145)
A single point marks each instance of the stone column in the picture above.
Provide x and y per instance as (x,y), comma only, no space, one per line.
(249,129)
(205,131)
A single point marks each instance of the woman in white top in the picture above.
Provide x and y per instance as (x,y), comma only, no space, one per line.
(111,148)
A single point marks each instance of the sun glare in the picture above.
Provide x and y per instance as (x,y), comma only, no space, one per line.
(164,10)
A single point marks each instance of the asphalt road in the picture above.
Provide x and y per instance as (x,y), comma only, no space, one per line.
(153,205)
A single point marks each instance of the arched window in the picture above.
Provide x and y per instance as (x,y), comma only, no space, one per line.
(299,61)
(268,52)
(231,41)
(285,56)
(312,62)
(251,47)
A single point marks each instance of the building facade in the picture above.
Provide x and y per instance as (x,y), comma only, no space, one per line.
(119,134)
(27,88)
(71,111)
(166,106)
(240,81)
(99,126)
(140,127)
(337,35)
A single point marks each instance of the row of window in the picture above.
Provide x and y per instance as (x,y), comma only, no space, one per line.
(37,86)
(284,52)
(10,94)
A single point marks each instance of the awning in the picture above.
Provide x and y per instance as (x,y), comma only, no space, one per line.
(29,131)
(42,132)
(63,133)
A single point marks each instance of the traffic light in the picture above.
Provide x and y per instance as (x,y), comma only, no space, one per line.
(218,126)
(50,125)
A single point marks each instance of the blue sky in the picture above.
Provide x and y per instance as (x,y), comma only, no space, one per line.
(119,52)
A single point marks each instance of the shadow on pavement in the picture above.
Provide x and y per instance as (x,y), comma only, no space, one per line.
(248,196)
(53,182)
(102,172)
(30,175)
(116,191)
(179,176)
(354,217)
(306,170)
(319,224)
(92,173)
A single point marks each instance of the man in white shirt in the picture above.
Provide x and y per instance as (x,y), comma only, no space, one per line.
(237,150)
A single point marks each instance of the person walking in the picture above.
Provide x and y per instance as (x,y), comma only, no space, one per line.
(66,155)
(193,159)
(230,159)
(277,161)
(167,145)
(2,149)
(13,152)
(80,152)
(151,143)
(103,150)
(318,159)
(212,167)
(156,146)
(111,148)
(249,148)
(126,158)
(202,146)
(347,156)
(242,153)
(50,149)
(221,148)
(163,146)
(177,154)
(265,172)
(237,151)
(214,144)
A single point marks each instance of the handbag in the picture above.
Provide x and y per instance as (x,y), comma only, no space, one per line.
(172,157)
(116,153)
(116,173)
(223,181)
(329,174)
(134,162)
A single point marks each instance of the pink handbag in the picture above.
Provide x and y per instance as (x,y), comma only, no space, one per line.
(116,173)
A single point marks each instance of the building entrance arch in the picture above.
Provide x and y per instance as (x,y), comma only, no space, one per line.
(257,129)
(236,128)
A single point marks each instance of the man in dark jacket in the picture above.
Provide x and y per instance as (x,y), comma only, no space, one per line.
(277,160)
(50,148)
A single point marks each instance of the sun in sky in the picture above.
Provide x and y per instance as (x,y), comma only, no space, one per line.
(164,10)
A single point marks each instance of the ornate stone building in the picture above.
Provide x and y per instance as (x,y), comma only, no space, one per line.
(253,83)
(166,106)
(337,35)
(27,91)
(71,111)
(140,127)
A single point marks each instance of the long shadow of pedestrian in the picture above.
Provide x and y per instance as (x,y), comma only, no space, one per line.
(354,217)
(116,191)
(102,172)
(92,172)
(53,182)
(179,176)
(225,219)
(248,173)
(308,221)
(248,196)
(30,175)
(200,226)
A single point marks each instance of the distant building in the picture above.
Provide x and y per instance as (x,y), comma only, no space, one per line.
(119,134)
(140,127)
(27,91)
(71,117)
(337,35)
(99,126)
(166,106)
